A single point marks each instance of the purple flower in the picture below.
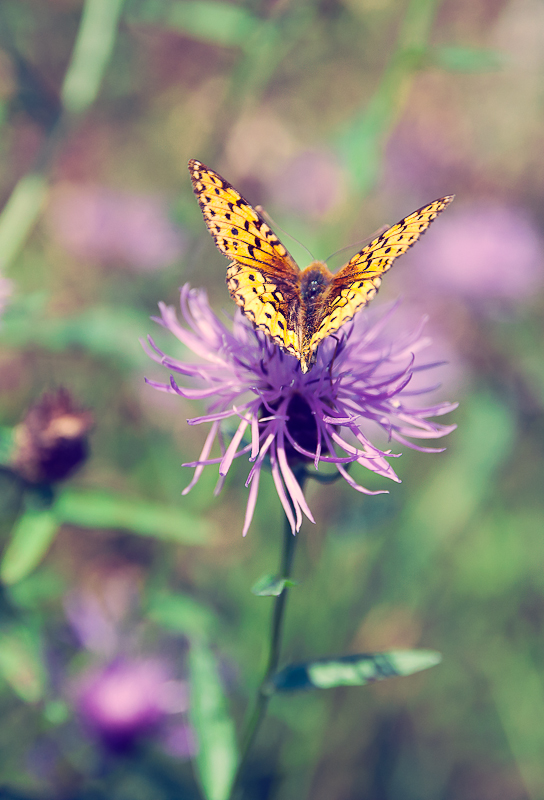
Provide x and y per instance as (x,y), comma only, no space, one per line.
(103,225)
(127,699)
(360,383)
(310,183)
(485,252)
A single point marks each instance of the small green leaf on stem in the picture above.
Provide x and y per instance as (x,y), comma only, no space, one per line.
(270,586)
(353,670)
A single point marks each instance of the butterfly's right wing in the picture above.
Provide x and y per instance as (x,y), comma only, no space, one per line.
(359,280)
(263,278)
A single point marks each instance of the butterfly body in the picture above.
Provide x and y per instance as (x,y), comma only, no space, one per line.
(296,308)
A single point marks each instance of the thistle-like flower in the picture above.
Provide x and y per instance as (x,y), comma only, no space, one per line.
(288,419)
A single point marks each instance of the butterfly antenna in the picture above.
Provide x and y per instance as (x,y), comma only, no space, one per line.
(362,242)
(268,219)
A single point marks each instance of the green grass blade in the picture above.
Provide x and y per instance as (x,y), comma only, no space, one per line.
(30,540)
(217,755)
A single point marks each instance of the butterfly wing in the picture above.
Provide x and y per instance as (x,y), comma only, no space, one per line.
(359,280)
(263,277)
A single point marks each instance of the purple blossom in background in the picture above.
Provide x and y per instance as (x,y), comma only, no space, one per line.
(128,698)
(6,289)
(361,380)
(312,183)
(103,225)
(482,252)
(179,741)
(94,628)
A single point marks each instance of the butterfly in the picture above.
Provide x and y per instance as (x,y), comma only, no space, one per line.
(296,308)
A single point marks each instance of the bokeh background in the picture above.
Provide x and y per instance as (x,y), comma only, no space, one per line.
(337,116)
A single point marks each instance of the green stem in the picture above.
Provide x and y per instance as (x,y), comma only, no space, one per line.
(265,691)
(362,143)
(92,52)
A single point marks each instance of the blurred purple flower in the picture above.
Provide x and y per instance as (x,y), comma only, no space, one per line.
(94,628)
(99,224)
(179,740)
(311,183)
(127,699)
(361,379)
(483,252)
(6,289)
(99,608)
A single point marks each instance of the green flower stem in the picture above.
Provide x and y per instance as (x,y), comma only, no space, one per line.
(92,52)
(361,144)
(265,692)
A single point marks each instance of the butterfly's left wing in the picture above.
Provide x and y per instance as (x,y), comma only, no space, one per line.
(359,280)
(263,277)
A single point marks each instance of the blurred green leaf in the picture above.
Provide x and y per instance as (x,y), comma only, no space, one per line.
(515,683)
(102,331)
(468,59)
(270,586)
(20,664)
(92,52)
(354,670)
(20,214)
(361,143)
(38,589)
(452,494)
(30,540)
(56,712)
(217,755)
(181,614)
(455,490)
(7,444)
(219,23)
(97,509)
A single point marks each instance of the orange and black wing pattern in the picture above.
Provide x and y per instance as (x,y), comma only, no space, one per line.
(263,278)
(265,281)
(359,280)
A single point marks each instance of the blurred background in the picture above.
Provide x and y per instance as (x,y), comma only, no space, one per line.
(337,116)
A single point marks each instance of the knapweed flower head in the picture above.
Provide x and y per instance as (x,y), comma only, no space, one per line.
(128,698)
(282,418)
(51,442)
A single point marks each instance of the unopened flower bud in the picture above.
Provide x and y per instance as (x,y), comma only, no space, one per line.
(51,441)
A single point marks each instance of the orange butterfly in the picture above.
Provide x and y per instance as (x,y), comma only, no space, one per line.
(296,308)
